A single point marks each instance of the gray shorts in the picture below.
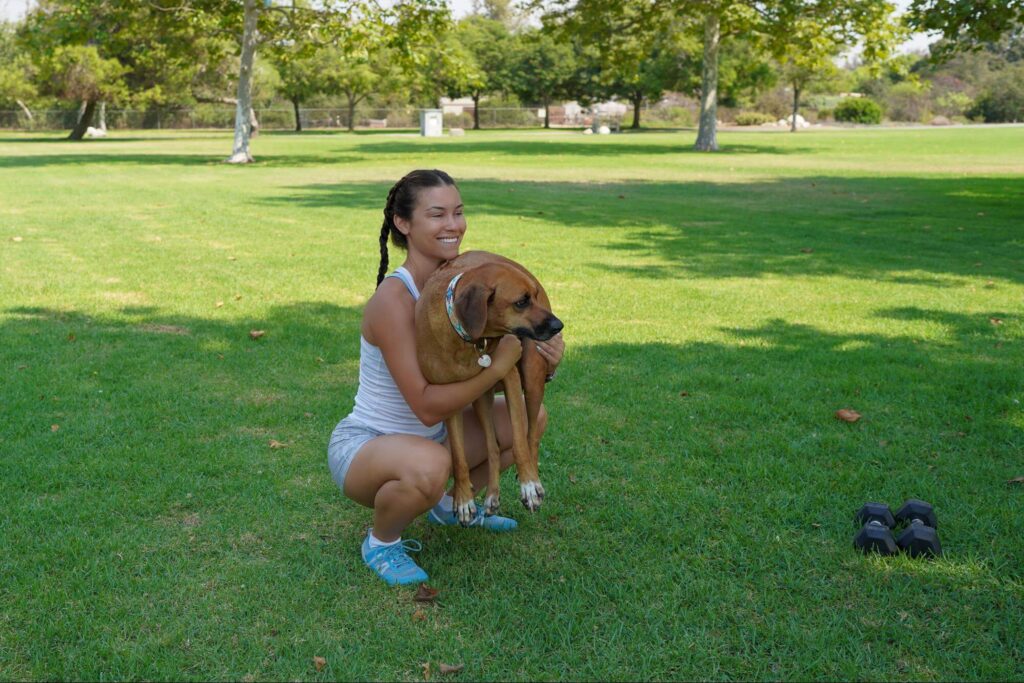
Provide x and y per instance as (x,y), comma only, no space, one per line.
(346,440)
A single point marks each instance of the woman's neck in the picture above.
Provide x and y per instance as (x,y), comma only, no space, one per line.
(420,267)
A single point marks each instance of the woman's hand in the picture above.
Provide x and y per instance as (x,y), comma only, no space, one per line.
(552,350)
(507,354)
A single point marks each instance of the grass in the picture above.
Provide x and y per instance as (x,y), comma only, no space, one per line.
(719,310)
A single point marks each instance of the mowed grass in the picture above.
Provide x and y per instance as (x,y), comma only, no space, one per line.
(719,309)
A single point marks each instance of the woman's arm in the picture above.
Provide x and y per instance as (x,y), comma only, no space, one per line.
(391,321)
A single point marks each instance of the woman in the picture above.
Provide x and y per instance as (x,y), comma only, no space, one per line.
(391,453)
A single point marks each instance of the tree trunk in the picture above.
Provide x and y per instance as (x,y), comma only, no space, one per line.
(547,115)
(352,101)
(26,110)
(476,111)
(298,116)
(254,124)
(243,110)
(637,101)
(796,107)
(84,121)
(103,117)
(707,134)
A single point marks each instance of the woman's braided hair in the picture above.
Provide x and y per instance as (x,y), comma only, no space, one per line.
(401,202)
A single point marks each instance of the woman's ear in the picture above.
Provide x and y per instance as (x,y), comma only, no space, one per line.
(471,307)
(401,223)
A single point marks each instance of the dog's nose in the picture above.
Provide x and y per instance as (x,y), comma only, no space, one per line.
(555,325)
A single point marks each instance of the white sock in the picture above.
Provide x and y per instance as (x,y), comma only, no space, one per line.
(445,504)
(377,543)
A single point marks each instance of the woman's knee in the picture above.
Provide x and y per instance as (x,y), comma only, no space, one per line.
(431,473)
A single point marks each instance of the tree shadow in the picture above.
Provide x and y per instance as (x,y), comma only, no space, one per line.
(596,146)
(198,159)
(907,230)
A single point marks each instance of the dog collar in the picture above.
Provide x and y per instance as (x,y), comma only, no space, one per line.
(449,305)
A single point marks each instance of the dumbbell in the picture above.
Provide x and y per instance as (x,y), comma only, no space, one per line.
(875,534)
(920,537)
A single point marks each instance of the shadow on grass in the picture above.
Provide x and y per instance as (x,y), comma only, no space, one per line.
(159,499)
(902,229)
(199,159)
(553,147)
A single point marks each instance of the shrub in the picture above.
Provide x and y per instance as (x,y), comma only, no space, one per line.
(907,102)
(824,114)
(858,110)
(753,118)
(1002,101)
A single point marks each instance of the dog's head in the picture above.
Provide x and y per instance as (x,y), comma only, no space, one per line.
(498,298)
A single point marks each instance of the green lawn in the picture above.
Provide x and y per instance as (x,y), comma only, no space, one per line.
(719,309)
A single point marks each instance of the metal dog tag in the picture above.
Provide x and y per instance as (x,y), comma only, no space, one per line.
(484,361)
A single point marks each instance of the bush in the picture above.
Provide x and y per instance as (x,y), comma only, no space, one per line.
(753,118)
(1002,101)
(907,102)
(824,114)
(858,110)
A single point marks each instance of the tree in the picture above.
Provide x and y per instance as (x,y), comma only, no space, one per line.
(486,41)
(541,69)
(79,74)
(17,87)
(965,24)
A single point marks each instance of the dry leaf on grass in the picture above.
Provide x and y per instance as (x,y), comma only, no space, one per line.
(256,334)
(219,304)
(1016,480)
(419,615)
(426,670)
(274,443)
(319,663)
(450,668)
(425,593)
(54,428)
(807,250)
(16,239)
(847,415)
(996,321)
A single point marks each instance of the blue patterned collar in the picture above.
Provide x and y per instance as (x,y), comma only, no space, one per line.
(449,304)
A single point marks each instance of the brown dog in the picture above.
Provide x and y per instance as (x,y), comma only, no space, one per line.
(466,306)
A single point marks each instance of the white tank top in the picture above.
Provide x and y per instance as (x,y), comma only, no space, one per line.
(379,403)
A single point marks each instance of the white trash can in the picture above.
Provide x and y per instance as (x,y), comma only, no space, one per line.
(431,123)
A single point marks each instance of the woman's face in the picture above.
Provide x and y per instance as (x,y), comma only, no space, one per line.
(437,224)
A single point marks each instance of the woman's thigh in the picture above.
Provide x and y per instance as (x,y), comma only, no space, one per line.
(476,447)
(417,460)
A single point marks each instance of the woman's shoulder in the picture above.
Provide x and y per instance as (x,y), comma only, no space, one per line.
(390,305)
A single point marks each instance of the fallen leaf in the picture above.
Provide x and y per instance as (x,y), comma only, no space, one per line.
(238,297)
(71,336)
(622,196)
(319,663)
(274,443)
(981,213)
(319,359)
(1016,480)
(308,414)
(419,615)
(847,415)
(815,525)
(450,668)
(256,334)
(22,367)
(684,393)
(807,250)
(16,239)
(996,321)
(54,428)
(219,304)
(572,478)
(426,667)
(425,593)
(232,258)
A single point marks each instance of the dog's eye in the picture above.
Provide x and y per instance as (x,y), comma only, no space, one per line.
(524,302)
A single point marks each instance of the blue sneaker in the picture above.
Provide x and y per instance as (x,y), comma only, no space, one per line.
(393,564)
(489,522)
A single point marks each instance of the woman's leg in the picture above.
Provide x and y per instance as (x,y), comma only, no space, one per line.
(476,448)
(399,476)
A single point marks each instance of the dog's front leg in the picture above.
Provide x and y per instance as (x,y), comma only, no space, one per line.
(530,491)
(484,409)
(464,507)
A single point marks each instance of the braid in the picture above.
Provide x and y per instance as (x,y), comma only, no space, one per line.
(385,230)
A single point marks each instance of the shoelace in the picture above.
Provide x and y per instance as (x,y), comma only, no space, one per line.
(397,556)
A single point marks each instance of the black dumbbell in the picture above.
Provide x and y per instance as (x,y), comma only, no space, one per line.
(875,534)
(919,539)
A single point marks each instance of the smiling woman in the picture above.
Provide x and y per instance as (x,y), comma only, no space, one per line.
(391,452)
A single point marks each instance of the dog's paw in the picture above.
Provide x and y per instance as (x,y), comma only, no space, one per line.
(531,494)
(465,512)
(492,503)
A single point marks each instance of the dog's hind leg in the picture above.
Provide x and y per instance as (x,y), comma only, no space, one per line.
(464,507)
(484,409)
(530,490)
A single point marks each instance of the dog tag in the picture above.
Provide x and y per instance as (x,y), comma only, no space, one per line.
(484,361)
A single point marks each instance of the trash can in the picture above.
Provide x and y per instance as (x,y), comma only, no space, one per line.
(431,123)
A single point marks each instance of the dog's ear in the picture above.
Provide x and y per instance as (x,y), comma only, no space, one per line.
(471,307)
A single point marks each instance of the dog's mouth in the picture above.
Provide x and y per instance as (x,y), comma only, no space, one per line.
(546,330)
